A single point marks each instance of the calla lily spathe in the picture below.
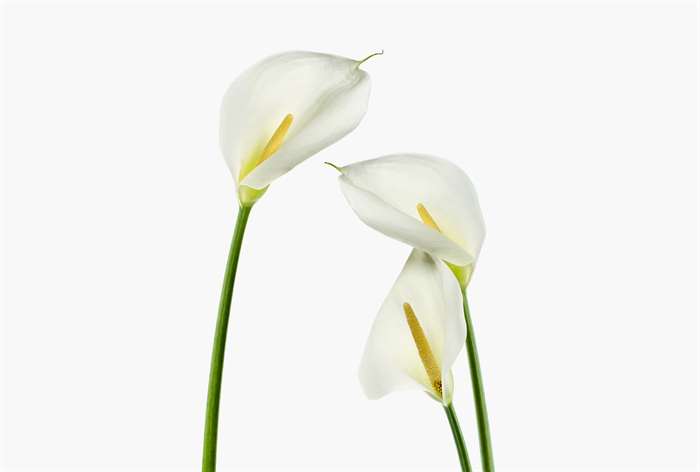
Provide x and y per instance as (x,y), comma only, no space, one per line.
(285,109)
(417,334)
(421,200)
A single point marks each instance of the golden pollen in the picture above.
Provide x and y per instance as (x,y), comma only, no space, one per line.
(426,354)
(273,144)
(426,217)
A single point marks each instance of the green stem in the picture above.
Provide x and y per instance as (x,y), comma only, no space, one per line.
(482,417)
(211,424)
(459,439)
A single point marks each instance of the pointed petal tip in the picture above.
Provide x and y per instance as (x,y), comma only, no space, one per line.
(339,169)
(362,61)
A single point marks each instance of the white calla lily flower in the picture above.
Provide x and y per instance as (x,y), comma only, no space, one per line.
(417,334)
(285,109)
(275,115)
(421,200)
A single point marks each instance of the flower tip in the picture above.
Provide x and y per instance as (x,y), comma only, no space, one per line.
(334,166)
(359,63)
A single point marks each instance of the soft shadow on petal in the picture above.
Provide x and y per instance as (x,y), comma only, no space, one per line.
(387,219)
(453,325)
(403,181)
(336,116)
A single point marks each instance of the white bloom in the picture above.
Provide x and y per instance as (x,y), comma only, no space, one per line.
(424,201)
(418,332)
(285,109)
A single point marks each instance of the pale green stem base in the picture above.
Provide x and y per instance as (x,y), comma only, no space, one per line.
(211,424)
(482,417)
(459,439)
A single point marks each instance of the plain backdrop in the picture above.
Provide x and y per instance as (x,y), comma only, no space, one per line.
(577,123)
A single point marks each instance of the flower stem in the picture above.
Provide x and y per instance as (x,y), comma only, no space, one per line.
(211,424)
(459,439)
(478,391)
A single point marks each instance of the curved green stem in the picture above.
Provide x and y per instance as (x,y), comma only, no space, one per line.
(459,439)
(211,424)
(482,417)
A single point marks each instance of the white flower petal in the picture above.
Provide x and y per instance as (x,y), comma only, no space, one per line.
(391,361)
(454,328)
(383,217)
(326,95)
(399,183)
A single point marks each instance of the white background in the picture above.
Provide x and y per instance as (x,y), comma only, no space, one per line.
(576,122)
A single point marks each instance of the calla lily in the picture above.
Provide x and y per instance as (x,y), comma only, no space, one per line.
(418,332)
(285,109)
(424,201)
(276,114)
(416,338)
